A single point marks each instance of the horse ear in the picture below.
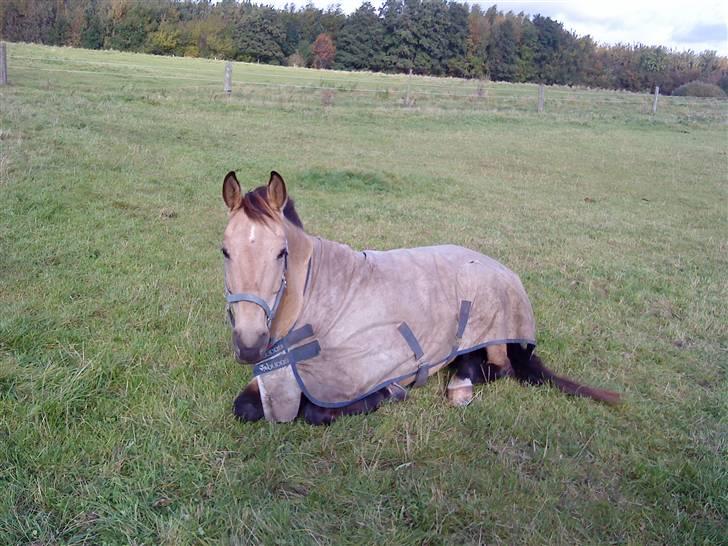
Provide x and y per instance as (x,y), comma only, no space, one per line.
(231,191)
(277,193)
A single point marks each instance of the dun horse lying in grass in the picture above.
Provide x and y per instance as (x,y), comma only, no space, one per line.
(335,332)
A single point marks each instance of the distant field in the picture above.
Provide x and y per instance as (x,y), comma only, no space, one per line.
(116,378)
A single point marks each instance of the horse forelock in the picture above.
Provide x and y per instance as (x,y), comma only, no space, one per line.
(256,207)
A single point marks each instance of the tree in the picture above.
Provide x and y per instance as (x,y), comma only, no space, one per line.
(166,40)
(211,36)
(259,35)
(548,44)
(24,21)
(332,20)
(131,25)
(456,31)
(503,51)
(92,33)
(400,36)
(292,26)
(361,40)
(310,21)
(526,69)
(324,51)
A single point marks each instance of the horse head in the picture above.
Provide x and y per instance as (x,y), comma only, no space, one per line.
(255,248)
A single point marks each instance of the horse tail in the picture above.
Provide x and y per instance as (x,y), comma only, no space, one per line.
(528,368)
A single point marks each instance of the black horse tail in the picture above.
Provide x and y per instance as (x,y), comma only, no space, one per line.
(528,368)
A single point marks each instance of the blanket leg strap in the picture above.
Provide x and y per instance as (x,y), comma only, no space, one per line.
(463,317)
(423,367)
(422,374)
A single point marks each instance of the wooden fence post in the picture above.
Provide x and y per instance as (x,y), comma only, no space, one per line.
(654,103)
(407,100)
(228,87)
(540,97)
(481,92)
(3,65)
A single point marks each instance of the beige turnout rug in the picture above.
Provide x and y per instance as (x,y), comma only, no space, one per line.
(371,319)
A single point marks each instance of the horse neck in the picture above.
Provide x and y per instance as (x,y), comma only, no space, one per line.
(300,248)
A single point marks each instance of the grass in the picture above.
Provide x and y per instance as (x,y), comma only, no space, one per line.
(116,379)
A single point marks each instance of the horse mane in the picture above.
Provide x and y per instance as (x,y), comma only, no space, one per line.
(256,207)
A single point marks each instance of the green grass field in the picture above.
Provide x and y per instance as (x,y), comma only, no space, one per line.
(116,377)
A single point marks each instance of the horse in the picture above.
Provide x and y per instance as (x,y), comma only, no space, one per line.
(331,331)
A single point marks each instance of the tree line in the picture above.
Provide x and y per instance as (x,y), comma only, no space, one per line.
(433,37)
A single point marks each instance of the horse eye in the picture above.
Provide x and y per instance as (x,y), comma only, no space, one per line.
(282,253)
(225,253)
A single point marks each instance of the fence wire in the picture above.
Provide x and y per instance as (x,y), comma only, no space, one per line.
(331,89)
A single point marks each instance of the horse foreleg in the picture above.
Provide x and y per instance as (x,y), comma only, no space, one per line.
(497,364)
(467,373)
(247,405)
(474,368)
(317,415)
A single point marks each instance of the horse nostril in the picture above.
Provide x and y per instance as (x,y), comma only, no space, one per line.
(249,353)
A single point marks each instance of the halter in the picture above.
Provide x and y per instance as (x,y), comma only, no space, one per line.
(270,313)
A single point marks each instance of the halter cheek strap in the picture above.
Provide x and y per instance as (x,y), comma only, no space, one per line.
(252,298)
(270,313)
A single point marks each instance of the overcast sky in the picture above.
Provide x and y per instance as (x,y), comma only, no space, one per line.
(695,24)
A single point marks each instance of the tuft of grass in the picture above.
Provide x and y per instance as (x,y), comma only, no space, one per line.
(116,378)
(327,181)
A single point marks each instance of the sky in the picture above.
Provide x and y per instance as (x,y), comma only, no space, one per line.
(696,24)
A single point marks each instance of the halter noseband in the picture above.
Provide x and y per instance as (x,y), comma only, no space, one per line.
(270,313)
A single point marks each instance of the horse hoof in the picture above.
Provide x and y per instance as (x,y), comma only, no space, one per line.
(396,392)
(460,396)
(460,391)
(248,407)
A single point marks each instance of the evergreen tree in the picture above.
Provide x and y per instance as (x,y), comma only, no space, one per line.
(60,27)
(92,34)
(456,30)
(547,54)
(503,51)
(332,20)
(400,36)
(527,44)
(361,40)
(310,18)
(292,26)
(259,35)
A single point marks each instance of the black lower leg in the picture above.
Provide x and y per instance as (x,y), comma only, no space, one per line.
(469,366)
(317,415)
(247,405)
(475,366)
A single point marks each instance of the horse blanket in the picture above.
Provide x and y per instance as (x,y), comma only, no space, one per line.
(371,319)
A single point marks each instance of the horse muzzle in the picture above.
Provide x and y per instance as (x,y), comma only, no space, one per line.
(249,353)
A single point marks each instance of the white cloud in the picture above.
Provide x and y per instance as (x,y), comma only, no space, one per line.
(667,23)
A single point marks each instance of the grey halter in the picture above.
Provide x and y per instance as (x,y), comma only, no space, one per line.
(270,313)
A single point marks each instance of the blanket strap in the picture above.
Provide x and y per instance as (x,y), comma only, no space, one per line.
(463,317)
(422,367)
(280,353)
(293,337)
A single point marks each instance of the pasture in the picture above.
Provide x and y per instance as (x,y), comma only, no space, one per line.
(116,375)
